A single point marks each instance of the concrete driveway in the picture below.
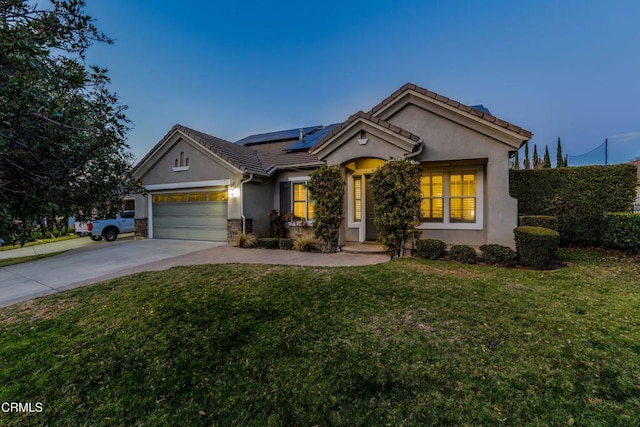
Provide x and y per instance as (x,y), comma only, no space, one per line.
(100,261)
(88,264)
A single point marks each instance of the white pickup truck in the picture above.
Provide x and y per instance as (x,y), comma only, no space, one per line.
(110,228)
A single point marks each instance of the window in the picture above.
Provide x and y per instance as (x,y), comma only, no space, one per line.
(197,197)
(462,191)
(432,188)
(357,198)
(177,198)
(217,196)
(451,197)
(302,205)
(160,198)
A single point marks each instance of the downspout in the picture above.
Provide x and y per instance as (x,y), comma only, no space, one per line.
(244,220)
(420,148)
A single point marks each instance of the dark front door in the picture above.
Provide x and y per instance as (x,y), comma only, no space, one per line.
(370,230)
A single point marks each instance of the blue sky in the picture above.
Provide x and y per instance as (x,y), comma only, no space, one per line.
(234,68)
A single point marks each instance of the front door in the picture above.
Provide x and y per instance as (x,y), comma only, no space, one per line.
(370,226)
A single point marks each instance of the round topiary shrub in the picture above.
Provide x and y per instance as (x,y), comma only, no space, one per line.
(463,253)
(430,248)
(536,246)
(499,255)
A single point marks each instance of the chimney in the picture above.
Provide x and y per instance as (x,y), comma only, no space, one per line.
(301,134)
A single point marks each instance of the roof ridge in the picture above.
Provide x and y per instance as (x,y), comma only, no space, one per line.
(453,103)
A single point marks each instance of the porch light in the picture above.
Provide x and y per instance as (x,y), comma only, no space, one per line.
(234,192)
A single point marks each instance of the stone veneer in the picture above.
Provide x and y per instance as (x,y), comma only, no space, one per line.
(234,227)
(141,226)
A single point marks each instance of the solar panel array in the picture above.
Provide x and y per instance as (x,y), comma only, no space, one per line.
(312,138)
(281,135)
(482,108)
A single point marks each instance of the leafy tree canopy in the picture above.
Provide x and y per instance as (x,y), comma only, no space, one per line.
(62,132)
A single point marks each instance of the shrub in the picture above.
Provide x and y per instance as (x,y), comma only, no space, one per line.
(245,240)
(536,246)
(621,231)
(286,243)
(268,242)
(327,187)
(305,243)
(396,193)
(499,255)
(430,248)
(463,253)
(546,221)
(578,196)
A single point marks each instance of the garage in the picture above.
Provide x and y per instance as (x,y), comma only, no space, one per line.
(193,215)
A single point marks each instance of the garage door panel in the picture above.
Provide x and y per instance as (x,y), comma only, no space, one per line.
(190,221)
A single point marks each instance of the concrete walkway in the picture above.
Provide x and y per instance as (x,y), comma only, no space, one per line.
(101,261)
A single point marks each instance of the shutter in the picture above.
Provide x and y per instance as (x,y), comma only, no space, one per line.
(285,197)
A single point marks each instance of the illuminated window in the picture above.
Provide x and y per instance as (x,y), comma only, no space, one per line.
(432,188)
(462,192)
(357,198)
(217,196)
(197,197)
(160,198)
(177,198)
(303,207)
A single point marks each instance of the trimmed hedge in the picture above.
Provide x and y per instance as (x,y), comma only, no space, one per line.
(536,246)
(621,231)
(577,196)
(546,221)
(268,242)
(430,248)
(463,253)
(286,243)
(499,255)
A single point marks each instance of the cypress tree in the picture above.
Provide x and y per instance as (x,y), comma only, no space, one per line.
(559,158)
(536,158)
(527,163)
(546,163)
(566,161)
(516,162)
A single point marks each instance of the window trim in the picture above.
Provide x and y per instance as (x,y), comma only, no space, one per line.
(446,223)
(299,180)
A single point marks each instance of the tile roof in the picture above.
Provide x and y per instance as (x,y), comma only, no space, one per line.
(474,111)
(370,117)
(280,135)
(241,157)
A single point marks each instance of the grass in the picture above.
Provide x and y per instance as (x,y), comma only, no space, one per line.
(403,343)
(13,261)
(8,246)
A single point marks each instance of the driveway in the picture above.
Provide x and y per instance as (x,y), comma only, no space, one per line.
(103,260)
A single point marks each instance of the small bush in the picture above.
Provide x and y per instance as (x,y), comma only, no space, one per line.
(245,240)
(621,231)
(463,253)
(536,246)
(499,255)
(305,243)
(546,221)
(286,243)
(268,242)
(430,248)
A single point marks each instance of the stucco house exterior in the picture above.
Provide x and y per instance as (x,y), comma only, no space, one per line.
(205,188)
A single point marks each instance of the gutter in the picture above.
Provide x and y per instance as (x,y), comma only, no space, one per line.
(420,148)
(244,220)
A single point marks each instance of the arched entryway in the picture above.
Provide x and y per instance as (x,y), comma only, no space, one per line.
(360,225)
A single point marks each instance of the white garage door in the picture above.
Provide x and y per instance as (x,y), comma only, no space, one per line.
(193,215)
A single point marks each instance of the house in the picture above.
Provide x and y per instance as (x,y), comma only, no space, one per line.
(203,187)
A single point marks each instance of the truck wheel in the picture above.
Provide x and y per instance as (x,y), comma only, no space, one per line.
(96,238)
(110,234)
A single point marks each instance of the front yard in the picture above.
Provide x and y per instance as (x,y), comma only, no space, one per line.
(403,343)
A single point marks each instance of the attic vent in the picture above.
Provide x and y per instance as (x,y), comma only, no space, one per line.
(181,163)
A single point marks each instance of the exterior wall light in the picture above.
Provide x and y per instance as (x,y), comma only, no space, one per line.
(234,192)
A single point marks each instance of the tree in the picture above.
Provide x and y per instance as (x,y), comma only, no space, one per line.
(559,159)
(62,132)
(546,162)
(536,158)
(327,189)
(397,199)
(527,162)
(516,162)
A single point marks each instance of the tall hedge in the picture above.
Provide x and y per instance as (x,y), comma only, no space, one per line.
(396,195)
(327,190)
(578,196)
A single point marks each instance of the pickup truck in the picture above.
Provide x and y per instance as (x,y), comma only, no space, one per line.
(110,228)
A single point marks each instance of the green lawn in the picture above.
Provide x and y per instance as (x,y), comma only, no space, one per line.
(403,343)
(13,261)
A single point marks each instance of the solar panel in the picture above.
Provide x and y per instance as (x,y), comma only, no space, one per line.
(281,135)
(312,138)
(482,108)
